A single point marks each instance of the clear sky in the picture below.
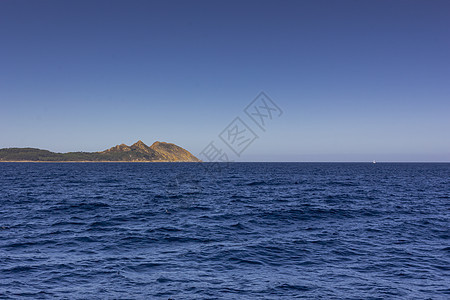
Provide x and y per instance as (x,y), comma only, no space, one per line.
(356,80)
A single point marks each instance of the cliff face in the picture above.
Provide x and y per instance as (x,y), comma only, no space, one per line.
(138,152)
(172,152)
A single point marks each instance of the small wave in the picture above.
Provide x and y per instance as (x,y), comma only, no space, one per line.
(244,261)
(295,287)
(238,226)
(253,183)
(144,267)
(164,229)
(67,223)
(91,205)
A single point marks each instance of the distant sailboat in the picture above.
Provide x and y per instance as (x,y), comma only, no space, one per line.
(374,162)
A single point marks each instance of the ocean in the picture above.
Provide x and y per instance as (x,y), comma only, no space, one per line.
(225,231)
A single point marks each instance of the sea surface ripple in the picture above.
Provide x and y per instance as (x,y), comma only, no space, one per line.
(236,231)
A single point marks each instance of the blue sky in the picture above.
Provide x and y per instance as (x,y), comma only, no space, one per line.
(356,80)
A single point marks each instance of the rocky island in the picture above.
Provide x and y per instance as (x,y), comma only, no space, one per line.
(138,152)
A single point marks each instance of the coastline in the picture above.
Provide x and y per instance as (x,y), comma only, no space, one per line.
(90,161)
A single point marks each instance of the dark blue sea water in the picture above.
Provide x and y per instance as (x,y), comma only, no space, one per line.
(244,231)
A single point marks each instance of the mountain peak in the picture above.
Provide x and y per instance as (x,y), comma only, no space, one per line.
(118,148)
(157,143)
(139,144)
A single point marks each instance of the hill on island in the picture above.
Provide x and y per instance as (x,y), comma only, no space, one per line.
(138,152)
